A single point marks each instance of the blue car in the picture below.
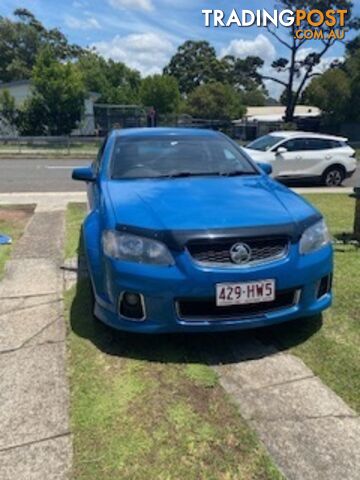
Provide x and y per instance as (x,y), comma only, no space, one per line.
(186,233)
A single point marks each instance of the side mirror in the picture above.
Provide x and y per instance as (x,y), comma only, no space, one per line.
(84,174)
(265,167)
(281,150)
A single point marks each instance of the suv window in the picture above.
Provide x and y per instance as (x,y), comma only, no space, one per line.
(297,144)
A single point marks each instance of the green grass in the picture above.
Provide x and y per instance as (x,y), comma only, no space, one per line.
(331,346)
(74,216)
(13,220)
(148,407)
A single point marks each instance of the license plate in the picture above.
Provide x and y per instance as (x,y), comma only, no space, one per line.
(242,293)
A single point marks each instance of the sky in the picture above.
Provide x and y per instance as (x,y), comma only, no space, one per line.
(144,34)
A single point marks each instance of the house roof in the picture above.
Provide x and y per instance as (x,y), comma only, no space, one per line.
(276,113)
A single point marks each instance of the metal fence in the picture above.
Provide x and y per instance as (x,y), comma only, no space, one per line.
(47,145)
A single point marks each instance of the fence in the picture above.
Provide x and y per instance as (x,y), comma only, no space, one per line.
(65,145)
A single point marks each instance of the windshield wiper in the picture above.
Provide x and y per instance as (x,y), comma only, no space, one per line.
(187,174)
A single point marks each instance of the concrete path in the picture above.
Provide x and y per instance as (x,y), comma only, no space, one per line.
(309,431)
(35,441)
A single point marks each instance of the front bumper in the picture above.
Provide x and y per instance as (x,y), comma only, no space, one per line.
(162,287)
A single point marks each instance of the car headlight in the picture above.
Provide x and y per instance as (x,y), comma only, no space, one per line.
(133,248)
(315,237)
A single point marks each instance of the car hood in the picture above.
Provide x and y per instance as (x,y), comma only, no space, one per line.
(206,203)
(256,154)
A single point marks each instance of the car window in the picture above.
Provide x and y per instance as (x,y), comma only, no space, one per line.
(159,156)
(264,143)
(319,144)
(295,144)
(307,144)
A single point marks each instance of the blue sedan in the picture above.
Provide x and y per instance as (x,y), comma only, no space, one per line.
(186,233)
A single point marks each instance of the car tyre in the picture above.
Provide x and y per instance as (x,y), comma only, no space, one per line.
(333,176)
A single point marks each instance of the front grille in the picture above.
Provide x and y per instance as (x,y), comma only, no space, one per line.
(263,250)
(197,309)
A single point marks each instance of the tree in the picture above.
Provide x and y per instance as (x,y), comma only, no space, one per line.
(22,39)
(351,67)
(216,101)
(194,64)
(115,82)
(331,93)
(58,97)
(161,92)
(337,91)
(296,68)
(7,107)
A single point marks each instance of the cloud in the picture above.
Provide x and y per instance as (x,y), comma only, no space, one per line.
(260,46)
(146,52)
(85,23)
(146,5)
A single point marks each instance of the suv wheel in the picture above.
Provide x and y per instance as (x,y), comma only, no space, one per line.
(333,177)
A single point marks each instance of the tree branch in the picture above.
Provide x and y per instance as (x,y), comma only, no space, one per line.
(278,38)
(265,77)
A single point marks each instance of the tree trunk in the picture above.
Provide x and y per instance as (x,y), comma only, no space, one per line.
(290,110)
(357,219)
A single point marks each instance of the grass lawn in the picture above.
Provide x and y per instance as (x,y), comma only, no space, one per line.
(150,407)
(13,220)
(74,217)
(147,407)
(331,346)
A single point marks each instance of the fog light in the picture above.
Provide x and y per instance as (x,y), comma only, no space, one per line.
(131,306)
(132,299)
(324,286)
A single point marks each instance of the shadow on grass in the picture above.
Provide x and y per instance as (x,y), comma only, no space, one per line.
(209,348)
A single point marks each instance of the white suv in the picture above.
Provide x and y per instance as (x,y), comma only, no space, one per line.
(303,155)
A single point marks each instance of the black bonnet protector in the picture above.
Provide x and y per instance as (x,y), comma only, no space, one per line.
(177,239)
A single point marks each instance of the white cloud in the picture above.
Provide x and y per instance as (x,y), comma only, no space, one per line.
(132,4)
(85,23)
(146,52)
(260,46)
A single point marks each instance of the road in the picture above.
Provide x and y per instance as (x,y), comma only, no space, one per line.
(44,175)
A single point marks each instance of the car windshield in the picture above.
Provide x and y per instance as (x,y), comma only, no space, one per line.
(177,156)
(264,143)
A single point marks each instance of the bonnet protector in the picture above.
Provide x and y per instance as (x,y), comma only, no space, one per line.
(177,239)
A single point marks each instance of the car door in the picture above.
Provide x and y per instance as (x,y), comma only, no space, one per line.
(289,158)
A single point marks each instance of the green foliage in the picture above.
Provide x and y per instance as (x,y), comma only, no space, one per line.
(7,107)
(330,92)
(255,97)
(194,64)
(215,101)
(22,39)
(115,82)
(337,91)
(58,97)
(161,92)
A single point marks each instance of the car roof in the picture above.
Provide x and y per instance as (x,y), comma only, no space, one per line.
(159,131)
(298,133)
